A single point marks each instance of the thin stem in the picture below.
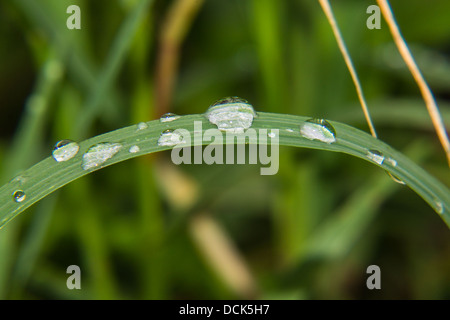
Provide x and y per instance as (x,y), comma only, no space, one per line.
(414,69)
(329,13)
(176,25)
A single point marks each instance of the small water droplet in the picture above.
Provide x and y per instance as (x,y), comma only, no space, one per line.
(98,154)
(272,135)
(19,196)
(169,138)
(65,150)
(168,117)
(232,114)
(392,162)
(19,180)
(439,206)
(134,149)
(318,129)
(376,156)
(289,130)
(141,126)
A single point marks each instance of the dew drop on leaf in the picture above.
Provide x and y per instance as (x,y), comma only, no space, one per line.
(391,161)
(97,154)
(168,117)
(65,150)
(134,149)
(19,196)
(439,207)
(232,114)
(318,129)
(376,156)
(142,126)
(169,138)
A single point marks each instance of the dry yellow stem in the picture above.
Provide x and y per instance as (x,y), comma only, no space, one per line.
(176,25)
(414,69)
(222,255)
(329,13)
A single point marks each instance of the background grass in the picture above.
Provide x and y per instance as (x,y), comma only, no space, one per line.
(137,229)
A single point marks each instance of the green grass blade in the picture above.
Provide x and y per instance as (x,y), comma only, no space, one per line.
(407,113)
(339,233)
(48,175)
(114,61)
(49,18)
(25,149)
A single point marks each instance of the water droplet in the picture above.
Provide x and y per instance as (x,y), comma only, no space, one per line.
(392,162)
(168,117)
(272,135)
(376,156)
(439,207)
(232,114)
(318,129)
(98,154)
(65,150)
(134,149)
(141,126)
(19,180)
(19,196)
(169,138)
(289,130)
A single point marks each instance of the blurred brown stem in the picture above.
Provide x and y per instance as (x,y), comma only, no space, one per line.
(225,259)
(175,27)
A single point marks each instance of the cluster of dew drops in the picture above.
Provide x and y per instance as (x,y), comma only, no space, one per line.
(231,114)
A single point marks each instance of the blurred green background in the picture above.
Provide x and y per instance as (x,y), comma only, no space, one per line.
(147,229)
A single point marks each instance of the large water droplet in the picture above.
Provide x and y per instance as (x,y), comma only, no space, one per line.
(98,154)
(318,129)
(141,126)
(168,117)
(134,149)
(232,114)
(19,196)
(65,150)
(170,138)
(376,156)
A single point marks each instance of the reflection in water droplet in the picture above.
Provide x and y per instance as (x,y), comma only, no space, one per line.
(272,135)
(98,154)
(318,129)
(19,196)
(142,126)
(65,150)
(376,156)
(134,149)
(168,117)
(170,138)
(232,114)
